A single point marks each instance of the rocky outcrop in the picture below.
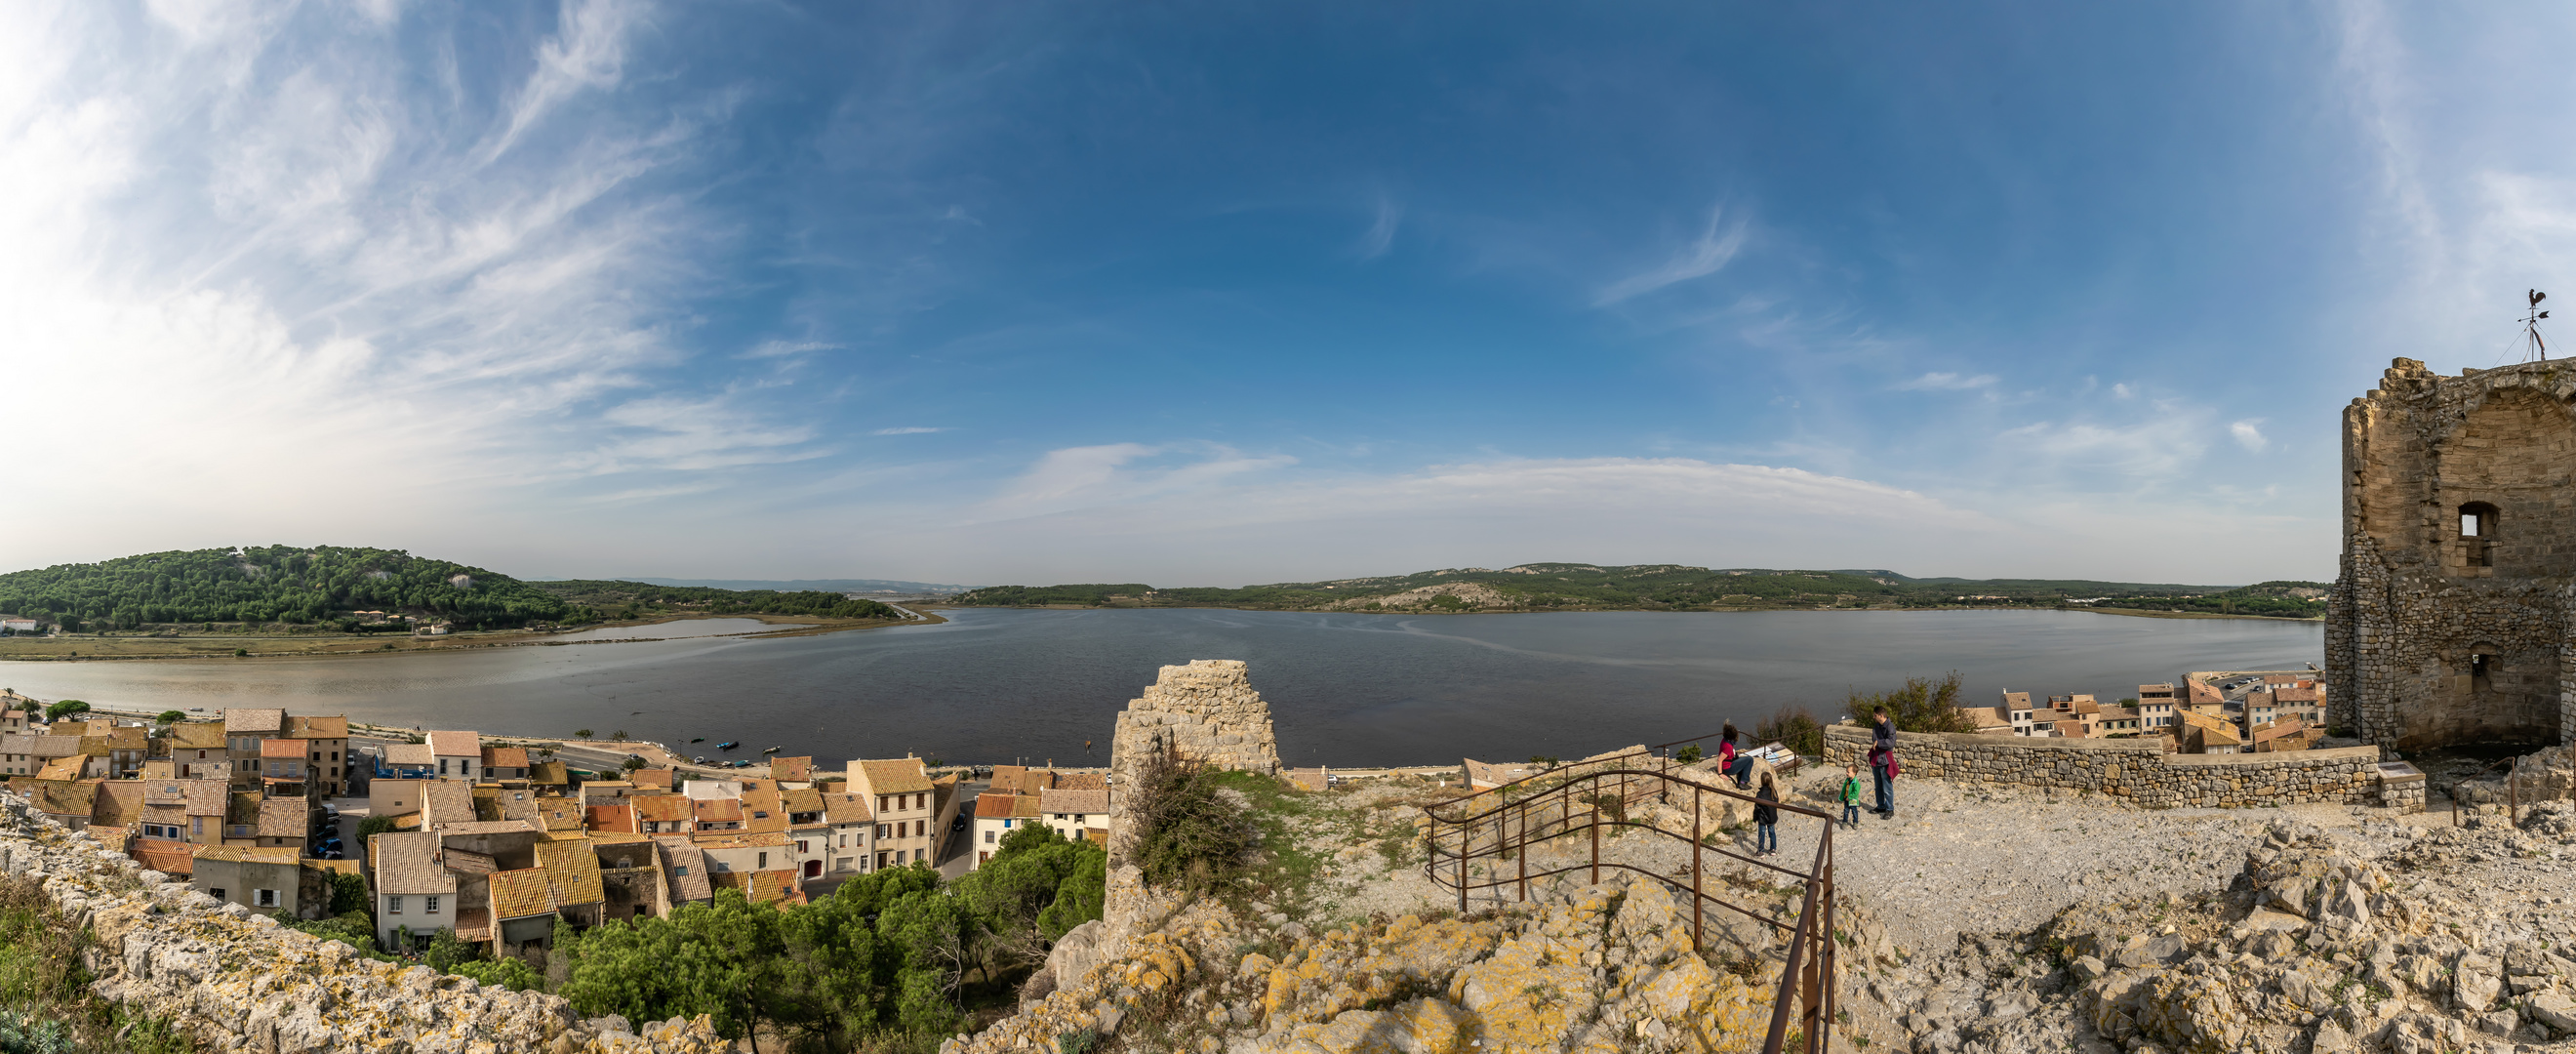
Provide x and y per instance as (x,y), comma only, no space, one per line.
(1604,968)
(238,981)
(2313,948)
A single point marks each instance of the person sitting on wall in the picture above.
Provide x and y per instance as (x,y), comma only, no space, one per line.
(1882,763)
(1737,765)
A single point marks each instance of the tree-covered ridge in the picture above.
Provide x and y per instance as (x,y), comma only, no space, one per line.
(1558,586)
(636,599)
(273,584)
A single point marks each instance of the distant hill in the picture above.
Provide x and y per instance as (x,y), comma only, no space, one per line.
(275,584)
(366,590)
(1669,587)
(800,585)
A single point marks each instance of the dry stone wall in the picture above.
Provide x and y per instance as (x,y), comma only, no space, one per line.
(2137,770)
(238,981)
(2435,634)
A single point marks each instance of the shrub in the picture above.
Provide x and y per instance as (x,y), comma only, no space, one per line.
(1186,834)
(1795,727)
(1688,755)
(373,826)
(1919,706)
(511,973)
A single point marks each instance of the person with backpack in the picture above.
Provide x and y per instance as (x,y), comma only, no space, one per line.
(1766,818)
(1851,796)
(1882,763)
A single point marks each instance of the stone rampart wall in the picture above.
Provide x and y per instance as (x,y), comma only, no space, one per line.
(2135,769)
(238,981)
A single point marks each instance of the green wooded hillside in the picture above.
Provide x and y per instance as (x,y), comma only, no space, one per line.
(274,584)
(636,599)
(1559,586)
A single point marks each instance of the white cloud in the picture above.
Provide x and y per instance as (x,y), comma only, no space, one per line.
(774,349)
(1716,245)
(912,431)
(1947,382)
(1381,232)
(2248,433)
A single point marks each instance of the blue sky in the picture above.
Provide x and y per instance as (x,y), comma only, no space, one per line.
(1225,293)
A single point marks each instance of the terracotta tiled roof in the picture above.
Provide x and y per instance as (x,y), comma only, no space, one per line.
(846,808)
(899,776)
(408,863)
(663,808)
(991,806)
(290,749)
(164,855)
(559,814)
(684,868)
(617,817)
(166,815)
(1026,807)
(207,797)
(474,924)
(1074,803)
(467,861)
(720,810)
(197,735)
(63,770)
(758,887)
(249,854)
(520,894)
(572,871)
(445,802)
(548,773)
(485,827)
(1006,778)
(159,770)
(505,757)
(456,745)
(40,746)
(62,797)
(657,779)
(254,722)
(1082,781)
(283,818)
(119,804)
(740,840)
(793,770)
(333,727)
(415,754)
(762,811)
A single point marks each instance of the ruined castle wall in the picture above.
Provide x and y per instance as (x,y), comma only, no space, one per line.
(2419,601)
(2135,769)
(1203,713)
(238,981)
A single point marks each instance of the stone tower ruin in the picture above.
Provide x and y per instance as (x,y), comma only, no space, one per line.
(2450,620)
(1205,713)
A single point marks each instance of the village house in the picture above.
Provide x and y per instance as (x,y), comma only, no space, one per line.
(1076,814)
(2203,734)
(245,728)
(326,746)
(2017,711)
(261,879)
(283,768)
(406,761)
(196,750)
(630,878)
(2286,734)
(684,871)
(2156,704)
(904,802)
(456,753)
(28,753)
(664,814)
(807,830)
(415,892)
(852,825)
(505,764)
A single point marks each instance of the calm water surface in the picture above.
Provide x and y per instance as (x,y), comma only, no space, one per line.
(1344,689)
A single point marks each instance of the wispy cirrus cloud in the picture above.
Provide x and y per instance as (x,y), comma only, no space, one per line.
(1948,382)
(913,430)
(1716,245)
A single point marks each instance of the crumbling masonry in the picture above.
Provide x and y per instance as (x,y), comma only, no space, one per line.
(2450,621)
(1205,713)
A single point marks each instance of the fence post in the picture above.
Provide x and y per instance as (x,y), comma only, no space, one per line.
(1522,854)
(1596,832)
(1699,911)
(1462,865)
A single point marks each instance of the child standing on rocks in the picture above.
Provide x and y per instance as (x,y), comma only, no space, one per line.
(1766,818)
(1851,796)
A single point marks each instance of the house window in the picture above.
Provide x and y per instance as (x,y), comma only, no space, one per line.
(682,871)
(429,905)
(916,856)
(196,826)
(217,893)
(442,766)
(393,905)
(722,866)
(264,898)
(764,861)
(989,836)
(800,846)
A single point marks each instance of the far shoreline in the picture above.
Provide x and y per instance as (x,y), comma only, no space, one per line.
(2130,612)
(347,646)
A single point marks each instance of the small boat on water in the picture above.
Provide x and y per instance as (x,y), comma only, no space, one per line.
(729,744)
(773,750)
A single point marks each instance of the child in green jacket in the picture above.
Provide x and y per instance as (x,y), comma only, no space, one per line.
(1851,795)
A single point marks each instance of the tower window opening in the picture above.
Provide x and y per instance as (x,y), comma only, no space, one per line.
(2478,533)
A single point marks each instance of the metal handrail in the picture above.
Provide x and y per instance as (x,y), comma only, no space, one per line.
(1807,974)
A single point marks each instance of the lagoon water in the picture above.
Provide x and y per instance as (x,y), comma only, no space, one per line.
(1344,689)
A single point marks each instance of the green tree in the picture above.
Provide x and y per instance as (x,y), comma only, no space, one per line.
(581,733)
(170,717)
(1919,706)
(372,826)
(349,896)
(65,708)
(508,972)
(619,735)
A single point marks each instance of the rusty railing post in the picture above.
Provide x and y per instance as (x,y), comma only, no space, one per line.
(1522,853)
(1699,910)
(1595,827)
(1462,867)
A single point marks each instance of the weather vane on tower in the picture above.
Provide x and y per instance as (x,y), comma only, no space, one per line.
(2534,348)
